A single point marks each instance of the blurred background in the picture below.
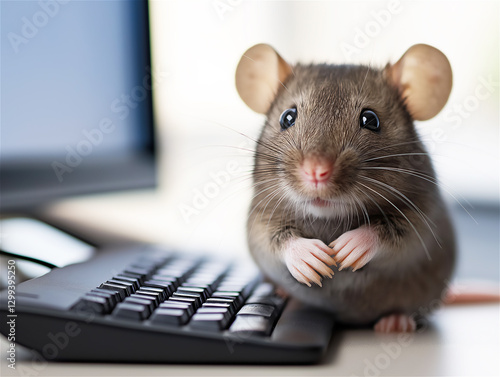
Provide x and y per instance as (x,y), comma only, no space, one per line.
(206,133)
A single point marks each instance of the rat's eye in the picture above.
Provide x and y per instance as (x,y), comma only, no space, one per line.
(287,118)
(369,120)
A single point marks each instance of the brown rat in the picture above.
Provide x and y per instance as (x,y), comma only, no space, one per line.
(342,179)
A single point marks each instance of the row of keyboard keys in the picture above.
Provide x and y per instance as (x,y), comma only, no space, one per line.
(133,280)
(188,292)
(185,289)
(218,311)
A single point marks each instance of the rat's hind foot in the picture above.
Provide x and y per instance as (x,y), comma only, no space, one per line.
(307,259)
(395,323)
(355,248)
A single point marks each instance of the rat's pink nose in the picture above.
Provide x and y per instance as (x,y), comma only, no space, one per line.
(317,169)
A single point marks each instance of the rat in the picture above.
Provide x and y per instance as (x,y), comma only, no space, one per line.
(347,214)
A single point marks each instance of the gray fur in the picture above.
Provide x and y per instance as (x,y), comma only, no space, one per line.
(404,276)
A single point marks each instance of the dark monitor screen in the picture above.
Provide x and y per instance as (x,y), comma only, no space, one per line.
(76,100)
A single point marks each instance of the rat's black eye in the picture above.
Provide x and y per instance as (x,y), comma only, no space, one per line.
(287,118)
(369,120)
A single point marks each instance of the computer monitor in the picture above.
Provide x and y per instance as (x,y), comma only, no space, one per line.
(76,100)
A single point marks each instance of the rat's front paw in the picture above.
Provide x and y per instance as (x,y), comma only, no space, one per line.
(355,248)
(305,258)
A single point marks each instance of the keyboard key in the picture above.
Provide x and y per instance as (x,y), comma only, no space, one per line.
(166,286)
(170,316)
(208,310)
(185,300)
(109,298)
(149,295)
(218,304)
(169,279)
(128,279)
(121,289)
(113,295)
(178,305)
(200,291)
(263,289)
(143,300)
(177,272)
(266,294)
(208,275)
(233,306)
(92,304)
(160,293)
(267,311)
(138,273)
(128,286)
(139,269)
(252,325)
(194,296)
(245,283)
(231,287)
(209,322)
(207,287)
(132,311)
(229,294)
(275,300)
(144,265)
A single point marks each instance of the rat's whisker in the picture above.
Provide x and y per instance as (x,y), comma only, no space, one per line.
(398,155)
(260,212)
(409,203)
(382,212)
(402,214)
(417,141)
(283,196)
(400,194)
(366,217)
(425,177)
(271,198)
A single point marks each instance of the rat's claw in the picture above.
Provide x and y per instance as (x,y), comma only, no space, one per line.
(307,259)
(309,274)
(355,248)
(300,277)
(320,245)
(324,257)
(313,262)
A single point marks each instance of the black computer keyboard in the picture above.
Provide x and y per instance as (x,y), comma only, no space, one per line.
(146,304)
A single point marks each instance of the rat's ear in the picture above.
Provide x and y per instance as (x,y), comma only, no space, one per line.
(423,77)
(259,75)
